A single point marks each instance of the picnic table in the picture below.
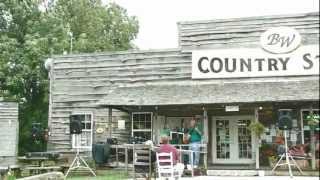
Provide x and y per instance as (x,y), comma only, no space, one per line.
(38,164)
(38,161)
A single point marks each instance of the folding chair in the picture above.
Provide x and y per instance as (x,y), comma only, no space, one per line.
(165,167)
(142,162)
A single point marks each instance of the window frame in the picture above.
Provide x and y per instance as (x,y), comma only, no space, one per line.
(301,120)
(75,145)
(142,130)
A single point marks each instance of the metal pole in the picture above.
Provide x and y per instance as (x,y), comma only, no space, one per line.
(286,149)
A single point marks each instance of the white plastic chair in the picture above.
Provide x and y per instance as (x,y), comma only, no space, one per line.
(165,167)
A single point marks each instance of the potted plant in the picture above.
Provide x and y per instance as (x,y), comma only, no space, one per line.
(257,128)
(313,122)
(267,155)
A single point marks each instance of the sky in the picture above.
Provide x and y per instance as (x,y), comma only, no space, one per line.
(158,18)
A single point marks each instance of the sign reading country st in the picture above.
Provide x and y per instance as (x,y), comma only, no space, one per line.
(254,62)
(281,54)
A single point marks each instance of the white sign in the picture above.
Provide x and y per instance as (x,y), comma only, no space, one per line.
(121,124)
(232,108)
(280,40)
(254,62)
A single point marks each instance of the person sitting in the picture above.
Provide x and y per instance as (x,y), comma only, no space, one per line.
(165,147)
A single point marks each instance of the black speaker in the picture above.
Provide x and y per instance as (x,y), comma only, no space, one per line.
(75,124)
(285,119)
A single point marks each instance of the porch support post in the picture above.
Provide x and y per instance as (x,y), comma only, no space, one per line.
(206,136)
(312,144)
(256,118)
(154,131)
(110,121)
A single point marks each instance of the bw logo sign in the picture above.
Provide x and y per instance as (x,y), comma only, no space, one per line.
(280,40)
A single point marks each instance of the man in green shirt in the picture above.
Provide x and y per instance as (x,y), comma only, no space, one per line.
(195,134)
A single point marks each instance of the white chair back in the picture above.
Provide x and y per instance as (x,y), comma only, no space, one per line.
(165,165)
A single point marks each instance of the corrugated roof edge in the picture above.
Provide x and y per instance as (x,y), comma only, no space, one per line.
(249,18)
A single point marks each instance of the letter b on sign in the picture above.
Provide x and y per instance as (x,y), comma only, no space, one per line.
(280,40)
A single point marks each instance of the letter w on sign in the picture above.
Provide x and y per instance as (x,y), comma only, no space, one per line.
(275,39)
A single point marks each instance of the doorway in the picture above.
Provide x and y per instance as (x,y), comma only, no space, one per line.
(232,141)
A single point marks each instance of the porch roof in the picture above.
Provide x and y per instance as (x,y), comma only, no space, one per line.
(177,94)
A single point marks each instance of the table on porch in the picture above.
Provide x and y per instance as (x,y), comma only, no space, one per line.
(180,148)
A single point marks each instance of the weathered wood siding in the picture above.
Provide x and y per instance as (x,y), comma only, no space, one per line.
(244,32)
(86,82)
(234,92)
(79,82)
(9,129)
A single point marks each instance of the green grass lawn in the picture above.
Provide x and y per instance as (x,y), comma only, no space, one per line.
(102,175)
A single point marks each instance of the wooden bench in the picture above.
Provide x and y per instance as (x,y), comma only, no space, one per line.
(38,170)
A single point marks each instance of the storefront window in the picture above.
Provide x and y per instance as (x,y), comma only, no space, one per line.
(142,125)
(244,139)
(223,139)
(305,126)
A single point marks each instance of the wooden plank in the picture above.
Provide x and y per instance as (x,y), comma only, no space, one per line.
(9,129)
(220,26)
(219,34)
(144,158)
(141,164)
(226,40)
(251,21)
(43,168)
(139,151)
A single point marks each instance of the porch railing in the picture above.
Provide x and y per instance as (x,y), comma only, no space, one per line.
(182,148)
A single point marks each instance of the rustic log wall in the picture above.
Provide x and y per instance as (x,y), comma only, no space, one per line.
(79,82)
(9,129)
(90,82)
(244,32)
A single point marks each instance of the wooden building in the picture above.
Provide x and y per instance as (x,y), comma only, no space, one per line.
(9,130)
(138,93)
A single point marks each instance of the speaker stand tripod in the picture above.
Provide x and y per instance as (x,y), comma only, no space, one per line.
(288,157)
(78,160)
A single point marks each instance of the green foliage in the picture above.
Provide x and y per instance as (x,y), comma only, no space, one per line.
(31,31)
(257,128)
(313,120)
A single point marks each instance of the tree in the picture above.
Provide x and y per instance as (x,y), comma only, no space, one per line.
(30,33)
